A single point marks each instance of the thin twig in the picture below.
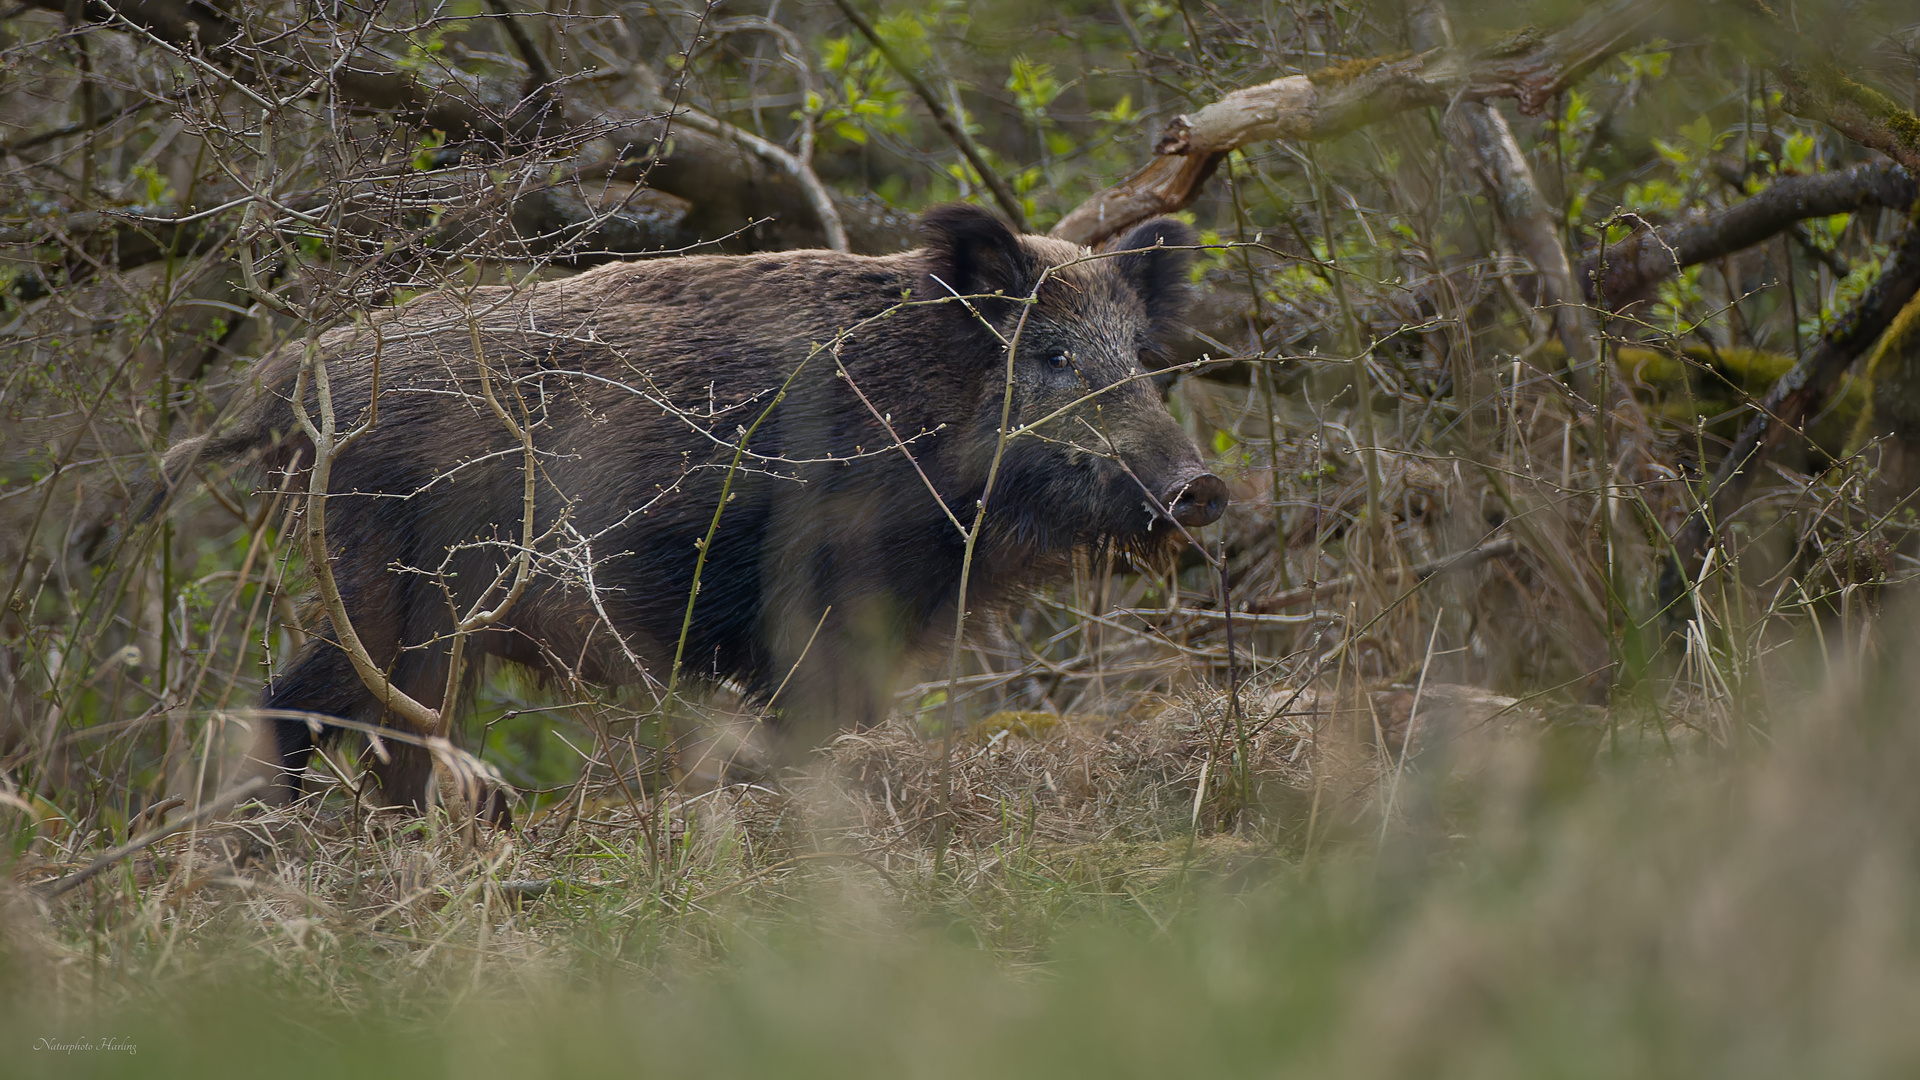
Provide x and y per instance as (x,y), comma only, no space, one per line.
(1461,560)
(956,131)
(220,804)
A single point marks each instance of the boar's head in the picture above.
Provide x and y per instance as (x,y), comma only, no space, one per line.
(1093,455)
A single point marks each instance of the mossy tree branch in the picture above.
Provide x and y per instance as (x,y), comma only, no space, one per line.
(1819,90)
(1816,87)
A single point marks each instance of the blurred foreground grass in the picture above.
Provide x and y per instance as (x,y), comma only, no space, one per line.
(1664,909)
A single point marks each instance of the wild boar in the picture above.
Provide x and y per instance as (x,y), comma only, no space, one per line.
(873,389)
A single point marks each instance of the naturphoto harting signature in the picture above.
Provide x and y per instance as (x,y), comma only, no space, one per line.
(71,1046)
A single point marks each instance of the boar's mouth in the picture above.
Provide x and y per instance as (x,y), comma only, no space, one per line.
(1101,501)
(1181,507)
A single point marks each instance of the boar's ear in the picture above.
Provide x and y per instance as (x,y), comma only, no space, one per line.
(1157,274)
(975,252)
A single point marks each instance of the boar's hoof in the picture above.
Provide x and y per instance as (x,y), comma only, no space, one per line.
(1198,501)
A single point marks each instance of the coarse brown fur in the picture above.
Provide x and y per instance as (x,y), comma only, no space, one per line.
(832,562)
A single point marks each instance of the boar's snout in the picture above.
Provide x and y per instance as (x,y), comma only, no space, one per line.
(1197,500)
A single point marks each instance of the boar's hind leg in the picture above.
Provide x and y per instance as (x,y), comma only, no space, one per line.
(322,680)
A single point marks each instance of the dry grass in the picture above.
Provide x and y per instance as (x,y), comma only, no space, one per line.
(1047,815)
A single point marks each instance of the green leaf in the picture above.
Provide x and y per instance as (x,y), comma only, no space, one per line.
(1033,86)
(1122,112)
(1798,151)
(1699,132)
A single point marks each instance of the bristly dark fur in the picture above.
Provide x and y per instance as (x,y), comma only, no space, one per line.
(640,378)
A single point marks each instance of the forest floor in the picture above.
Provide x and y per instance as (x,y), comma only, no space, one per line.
(1199,885)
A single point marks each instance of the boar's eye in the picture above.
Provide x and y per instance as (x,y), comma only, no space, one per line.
(1059,360)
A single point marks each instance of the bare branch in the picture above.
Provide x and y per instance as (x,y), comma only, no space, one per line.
(197,29)
(1317,107)
(520,567)
(1636,264)
(220,804)
(819,199)
(323,436)
(1459,560)
(539,72)
(703,164)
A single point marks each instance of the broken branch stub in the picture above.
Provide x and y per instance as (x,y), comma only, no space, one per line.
(1487,147)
